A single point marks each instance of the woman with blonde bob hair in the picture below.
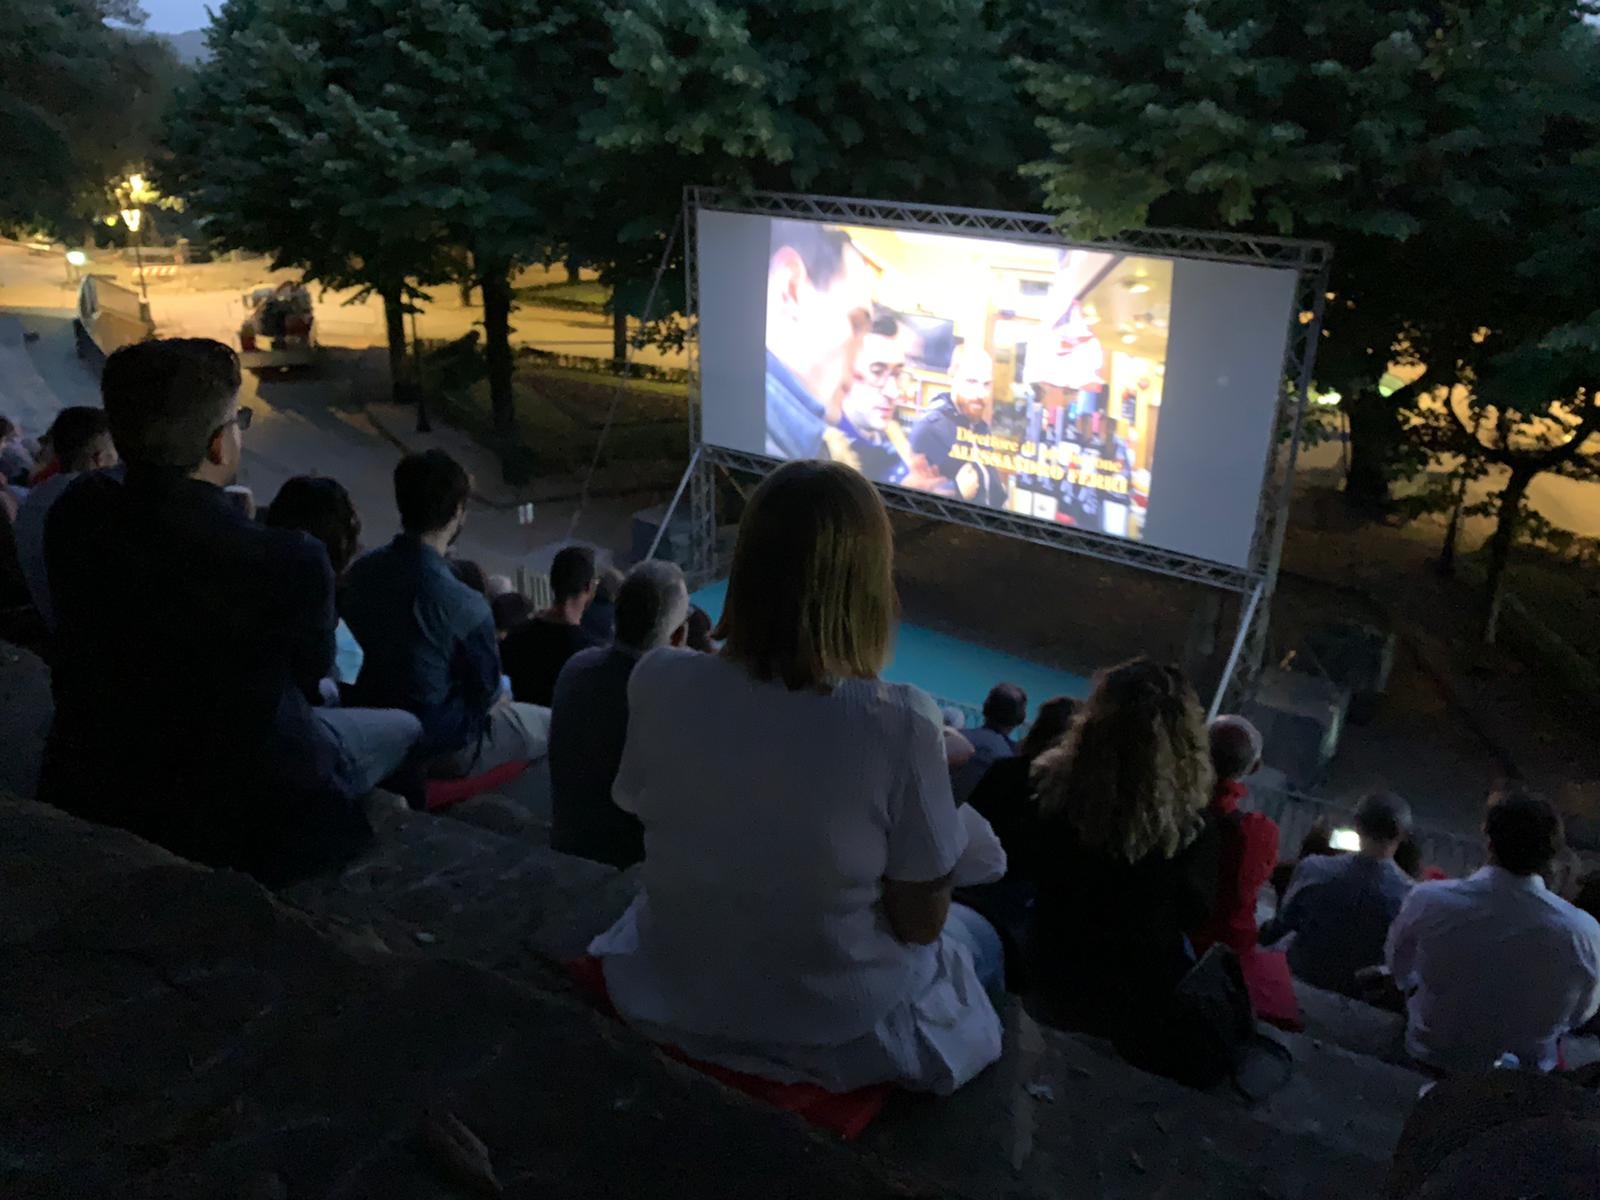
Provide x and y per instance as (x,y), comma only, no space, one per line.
(794,917)
(1125,858)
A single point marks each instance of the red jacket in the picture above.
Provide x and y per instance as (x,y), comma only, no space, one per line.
(1249,852)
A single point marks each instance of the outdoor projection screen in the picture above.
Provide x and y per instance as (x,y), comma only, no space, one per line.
(1130,395)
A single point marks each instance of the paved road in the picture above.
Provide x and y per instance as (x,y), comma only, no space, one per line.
(320,425)
(204,300)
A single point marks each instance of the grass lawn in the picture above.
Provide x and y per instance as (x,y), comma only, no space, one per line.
(585,294)
(561,412)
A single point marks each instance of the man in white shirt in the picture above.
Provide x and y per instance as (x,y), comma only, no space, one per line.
(1496,962)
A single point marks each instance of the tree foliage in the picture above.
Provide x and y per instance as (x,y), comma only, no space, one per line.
(80,103)
(1409,134)
(894,99)
(374,142)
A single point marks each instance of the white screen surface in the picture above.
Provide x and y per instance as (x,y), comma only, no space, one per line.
(1129,395)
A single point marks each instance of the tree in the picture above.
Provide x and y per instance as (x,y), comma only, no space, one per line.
(277,154)
(887,99)
(378,142)
(1406,133)
(80,102)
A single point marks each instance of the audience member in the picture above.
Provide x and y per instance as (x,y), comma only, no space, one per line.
(1126,861)
(321,507)
(499,585)
(537,649)
(600,618)
(589,719)
(429,639)
(1249,840)
(510,609)
(1005,796)
(81,441)
(794,916)
(1318,842)
(1496,962)
(1339,906)
(1004,710)
(699,635)
(188,641)
(16,460)
(469,573)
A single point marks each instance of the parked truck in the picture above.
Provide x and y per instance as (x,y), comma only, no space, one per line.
(278,332)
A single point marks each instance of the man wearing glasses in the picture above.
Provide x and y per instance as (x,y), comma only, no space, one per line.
(190,639)
(869,436)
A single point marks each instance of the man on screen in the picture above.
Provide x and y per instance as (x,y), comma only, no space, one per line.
(868,435)
(819,309)
(967,405)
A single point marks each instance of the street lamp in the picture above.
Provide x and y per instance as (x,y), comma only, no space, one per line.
(133,218)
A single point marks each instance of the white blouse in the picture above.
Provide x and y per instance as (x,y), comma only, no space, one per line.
(771,819)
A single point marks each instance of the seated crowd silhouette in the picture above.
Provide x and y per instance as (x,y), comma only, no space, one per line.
(835,888)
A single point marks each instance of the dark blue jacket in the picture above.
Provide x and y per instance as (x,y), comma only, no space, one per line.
(795,419)
(429,641)
(935,434)
(188,640)
(588,727)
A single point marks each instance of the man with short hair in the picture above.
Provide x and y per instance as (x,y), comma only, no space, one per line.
(1339,907)
(1249,840)
(589,719)
(536,650)
(819,307)
(429,639)
(968,405)
(1497,963)
(1005,709)
(80,438)
(189,640)
(868,435)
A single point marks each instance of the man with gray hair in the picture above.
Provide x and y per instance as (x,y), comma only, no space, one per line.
(1248,847)
(589,717)
(1339,907)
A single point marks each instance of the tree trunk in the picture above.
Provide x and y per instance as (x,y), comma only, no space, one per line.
(1507,518)
(394,320)
(1373,433)
(494,282)
(1452,530)
(572,271)
(619,336)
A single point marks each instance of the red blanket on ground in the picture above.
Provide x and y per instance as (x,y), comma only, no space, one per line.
(843,1113)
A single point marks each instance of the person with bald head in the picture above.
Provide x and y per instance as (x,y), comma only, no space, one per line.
(1249,840)
(969,404)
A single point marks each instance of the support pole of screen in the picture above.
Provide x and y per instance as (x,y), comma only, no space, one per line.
(666,518)
(1246,623)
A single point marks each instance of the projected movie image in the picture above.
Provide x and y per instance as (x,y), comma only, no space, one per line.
(1021,377)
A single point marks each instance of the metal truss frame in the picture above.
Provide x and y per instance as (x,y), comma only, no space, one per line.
(1253,584)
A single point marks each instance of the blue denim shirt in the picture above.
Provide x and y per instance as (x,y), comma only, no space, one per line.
(428,640)
(1339,908)
(795,421)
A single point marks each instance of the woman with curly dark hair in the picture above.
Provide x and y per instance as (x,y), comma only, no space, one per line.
(1124,856)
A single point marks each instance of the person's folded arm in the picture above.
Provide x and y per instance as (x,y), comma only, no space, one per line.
(984,859)
(917,911)
(1400,947)
(477,659)
(926,837)
(311,634)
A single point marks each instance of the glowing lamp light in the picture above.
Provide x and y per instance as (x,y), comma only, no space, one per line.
(136,183)
(1138,287)
(131,217)
(1129,339)
(77,257)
